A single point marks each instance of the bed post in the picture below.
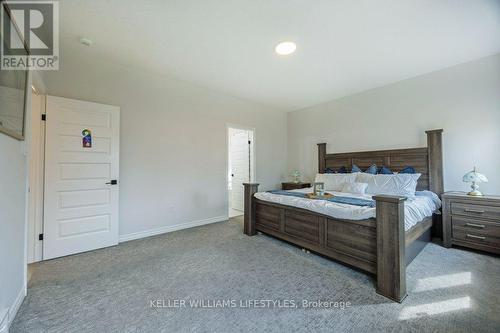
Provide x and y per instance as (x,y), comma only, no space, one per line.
(321,157)
(391,261)
(435,154)
(249,208)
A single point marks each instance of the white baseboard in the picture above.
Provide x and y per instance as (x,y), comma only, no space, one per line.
(170,228)
(17,304)
(7,315)
(4,321)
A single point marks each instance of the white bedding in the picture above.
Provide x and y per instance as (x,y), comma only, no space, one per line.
(416,208)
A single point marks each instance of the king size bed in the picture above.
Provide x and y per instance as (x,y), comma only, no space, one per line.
(380,238)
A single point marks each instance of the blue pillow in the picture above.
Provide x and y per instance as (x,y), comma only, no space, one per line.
(372,169)
(385,171)
(343,169)
(329,170)
(355,168)
(408,169)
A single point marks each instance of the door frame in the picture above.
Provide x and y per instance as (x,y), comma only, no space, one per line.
(35,178)
(253,157)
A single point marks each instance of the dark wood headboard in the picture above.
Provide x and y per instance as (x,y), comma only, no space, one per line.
(427,160)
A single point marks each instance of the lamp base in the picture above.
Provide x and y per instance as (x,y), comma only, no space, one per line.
(475,193)
(475,190)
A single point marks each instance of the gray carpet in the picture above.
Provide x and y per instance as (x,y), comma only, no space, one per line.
(109,290)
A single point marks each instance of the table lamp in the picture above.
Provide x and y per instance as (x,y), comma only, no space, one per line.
(474,177)
(296,176)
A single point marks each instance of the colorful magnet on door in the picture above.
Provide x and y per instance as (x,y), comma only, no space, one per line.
(87,139)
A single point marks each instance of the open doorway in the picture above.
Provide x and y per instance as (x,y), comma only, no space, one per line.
(241,166)
(69,177)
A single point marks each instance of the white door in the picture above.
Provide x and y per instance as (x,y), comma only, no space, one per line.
(239,165)
(81,202)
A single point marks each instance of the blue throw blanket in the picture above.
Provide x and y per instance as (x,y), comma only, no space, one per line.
(343,200)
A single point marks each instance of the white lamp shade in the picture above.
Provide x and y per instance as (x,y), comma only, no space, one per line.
(474,176)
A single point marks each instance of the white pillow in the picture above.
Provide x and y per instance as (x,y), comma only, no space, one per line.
(404,184)
(335,181)
(354,188)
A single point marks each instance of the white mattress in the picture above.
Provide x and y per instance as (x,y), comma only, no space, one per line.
(416,209)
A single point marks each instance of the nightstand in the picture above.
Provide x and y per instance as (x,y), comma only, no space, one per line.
(472,222)
(294,186)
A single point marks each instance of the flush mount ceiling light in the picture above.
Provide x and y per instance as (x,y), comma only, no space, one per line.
(86,41)
(285,48)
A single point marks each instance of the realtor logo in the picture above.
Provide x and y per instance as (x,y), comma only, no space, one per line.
(30,35)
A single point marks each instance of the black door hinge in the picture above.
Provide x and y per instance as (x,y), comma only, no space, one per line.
(44,117)
(40,237)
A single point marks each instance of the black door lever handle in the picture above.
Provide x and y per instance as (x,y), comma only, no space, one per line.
(112,182)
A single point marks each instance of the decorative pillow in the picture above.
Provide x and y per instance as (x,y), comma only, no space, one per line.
(385,171)
(329,170)
(395,184)
(355,168)
(408,169)
(372,169)
(354,188)
(335,181)
(343,169)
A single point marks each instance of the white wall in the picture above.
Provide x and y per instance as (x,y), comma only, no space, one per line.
(12,220)
(13,192)
(464,100)
(173,141)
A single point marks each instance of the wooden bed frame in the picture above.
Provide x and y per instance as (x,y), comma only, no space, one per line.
(377,245)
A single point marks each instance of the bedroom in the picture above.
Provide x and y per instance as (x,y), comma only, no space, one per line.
(363,77)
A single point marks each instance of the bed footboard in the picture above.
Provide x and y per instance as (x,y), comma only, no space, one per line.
(374,245)
(391,260)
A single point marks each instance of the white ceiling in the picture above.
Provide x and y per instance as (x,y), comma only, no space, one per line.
(343,46)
